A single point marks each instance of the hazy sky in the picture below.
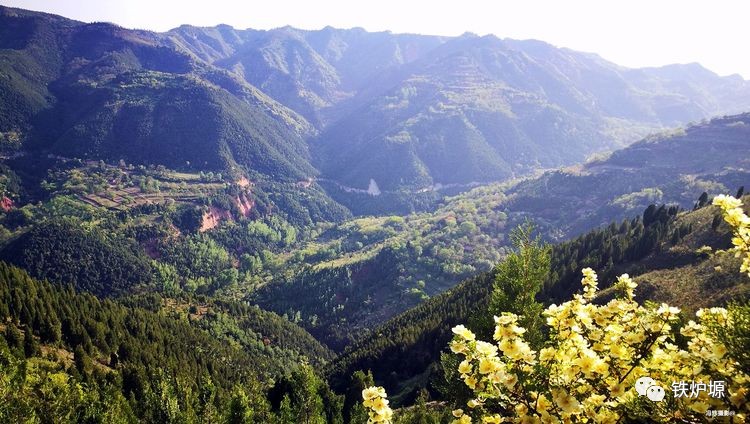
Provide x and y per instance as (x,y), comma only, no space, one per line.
(632,33)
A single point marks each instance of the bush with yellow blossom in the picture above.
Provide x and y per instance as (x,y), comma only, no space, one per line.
(376,402)
(587,370)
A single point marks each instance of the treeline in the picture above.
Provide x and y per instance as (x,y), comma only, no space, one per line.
(603,249)
(134,365)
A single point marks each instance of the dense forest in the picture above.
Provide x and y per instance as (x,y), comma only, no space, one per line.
(92,359)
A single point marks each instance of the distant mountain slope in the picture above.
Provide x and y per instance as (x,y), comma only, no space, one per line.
(483,109)
(30,56)
(405,111)
(673,168)
(100,91)
(312,72)
(413,111)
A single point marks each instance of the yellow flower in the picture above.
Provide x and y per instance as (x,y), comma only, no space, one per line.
(493,419)
(464,332)
(379,404)
(601,367)
(375,400)
(587,362)
(506,318)
(457,346)
(510,381)
(738,397)
(667,311)
(514,348)
(617,390)
(547,354)
(595,400)
(567,403)
(699,407)
(718,351)
(373,392)
(474,403)
(543,404)
(504,332)
(487,366)
(521,409)
(486,349)
(464,367)
(465,419)
(726,202)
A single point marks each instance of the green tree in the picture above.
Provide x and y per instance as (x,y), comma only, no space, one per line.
(14,339)
(82,360)
(518,279)
(354,412)
(248,405)
(736,337)
(30,345)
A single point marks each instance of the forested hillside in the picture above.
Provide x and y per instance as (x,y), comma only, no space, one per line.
(370,269)
(664,250)
(674,167)
(90,68)
(90,359)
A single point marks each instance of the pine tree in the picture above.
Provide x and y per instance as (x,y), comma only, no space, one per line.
(82,360)
(518,279)
(50,330)
(702,201)
(30,345)
(14,338)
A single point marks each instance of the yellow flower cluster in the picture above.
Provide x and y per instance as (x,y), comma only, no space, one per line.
(588,369)
(375,400)
(735,217)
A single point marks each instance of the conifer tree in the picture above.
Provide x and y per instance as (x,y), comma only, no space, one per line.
(30,345)
(518,279)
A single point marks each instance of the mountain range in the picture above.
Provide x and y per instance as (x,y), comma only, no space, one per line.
(411,111)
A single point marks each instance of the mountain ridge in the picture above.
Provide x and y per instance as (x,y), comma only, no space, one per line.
(410,110)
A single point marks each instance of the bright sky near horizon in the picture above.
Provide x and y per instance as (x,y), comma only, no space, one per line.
(633,33)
